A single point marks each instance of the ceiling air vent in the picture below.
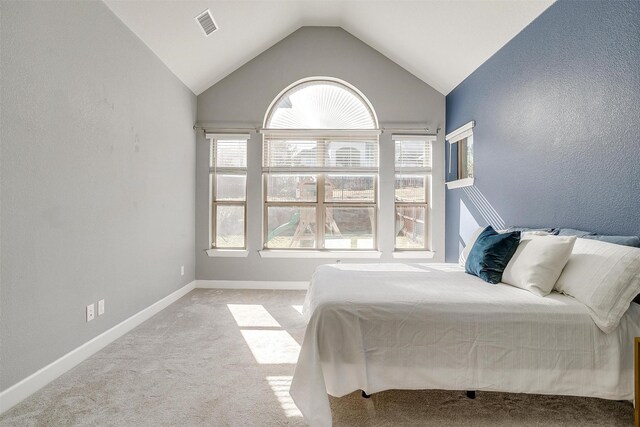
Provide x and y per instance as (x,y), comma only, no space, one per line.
(206,22)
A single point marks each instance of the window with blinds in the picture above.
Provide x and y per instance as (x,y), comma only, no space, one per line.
(412,191)
(324,154)
(331,181)
(320,168)
(228,184)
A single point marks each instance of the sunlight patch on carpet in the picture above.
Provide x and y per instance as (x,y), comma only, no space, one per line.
(252,316)
(280,386)
(272,347)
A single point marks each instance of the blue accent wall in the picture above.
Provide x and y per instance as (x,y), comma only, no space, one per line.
(557,136)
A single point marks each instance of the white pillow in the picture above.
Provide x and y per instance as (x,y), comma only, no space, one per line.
(603,276)
(538,262)
(465,252)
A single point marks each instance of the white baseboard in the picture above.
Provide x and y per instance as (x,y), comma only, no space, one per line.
(34,382)
(251,284)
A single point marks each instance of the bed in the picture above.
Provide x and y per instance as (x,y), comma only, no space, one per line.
(377,327)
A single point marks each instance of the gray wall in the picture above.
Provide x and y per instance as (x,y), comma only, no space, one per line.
(557,133)
(242,99)
(97,175)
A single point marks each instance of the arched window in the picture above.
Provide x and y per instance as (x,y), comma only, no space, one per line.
(320,104)
(320,168)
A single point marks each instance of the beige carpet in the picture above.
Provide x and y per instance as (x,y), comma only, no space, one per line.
(224,358)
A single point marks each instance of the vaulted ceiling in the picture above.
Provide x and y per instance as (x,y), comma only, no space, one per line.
(439,41)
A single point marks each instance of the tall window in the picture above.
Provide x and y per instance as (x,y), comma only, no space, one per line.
(412,184)
(228,183)
(320,169)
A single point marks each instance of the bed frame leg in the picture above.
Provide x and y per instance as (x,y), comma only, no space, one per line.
(471,394)
(365,395)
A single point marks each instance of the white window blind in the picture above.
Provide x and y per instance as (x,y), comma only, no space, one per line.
(228,150)
(230,154)
(328,154)
(412,153)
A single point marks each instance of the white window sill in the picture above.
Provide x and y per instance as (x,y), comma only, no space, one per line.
(413,255)
(319,254)
(227,253)
(466,182)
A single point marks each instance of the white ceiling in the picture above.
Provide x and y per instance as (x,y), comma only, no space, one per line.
(439,41)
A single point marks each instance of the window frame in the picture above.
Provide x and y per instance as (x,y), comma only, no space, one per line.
(214,171)
(463,133)
(321,79)
(427,173)
(292,129)
(323,139)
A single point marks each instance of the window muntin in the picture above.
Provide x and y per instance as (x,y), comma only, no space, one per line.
(228,185)
(413,159)
(320,169)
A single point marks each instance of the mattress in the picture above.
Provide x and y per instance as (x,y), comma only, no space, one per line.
(377,327)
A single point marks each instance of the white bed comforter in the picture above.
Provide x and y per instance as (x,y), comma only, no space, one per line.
(431,326)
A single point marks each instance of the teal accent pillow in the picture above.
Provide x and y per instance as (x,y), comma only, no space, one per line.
(491,253)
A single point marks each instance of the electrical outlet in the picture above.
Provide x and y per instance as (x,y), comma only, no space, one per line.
(182,270)
(100,307)
(91,312)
